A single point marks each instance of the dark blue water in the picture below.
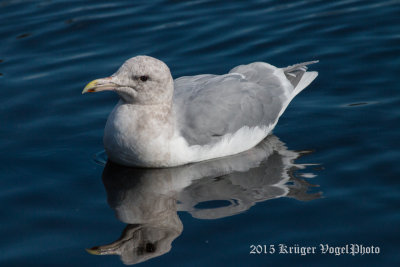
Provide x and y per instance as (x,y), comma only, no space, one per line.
(332,177)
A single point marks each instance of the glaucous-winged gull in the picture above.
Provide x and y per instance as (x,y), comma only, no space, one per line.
(161,122)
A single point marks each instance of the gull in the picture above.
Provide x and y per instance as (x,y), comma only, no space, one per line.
(162,122)
(148,200)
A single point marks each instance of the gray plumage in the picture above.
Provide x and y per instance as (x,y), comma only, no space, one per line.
(294,73)
(211,106)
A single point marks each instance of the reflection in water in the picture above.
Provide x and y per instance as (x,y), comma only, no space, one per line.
(148,199)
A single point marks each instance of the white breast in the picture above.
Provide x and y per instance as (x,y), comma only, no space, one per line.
(137,136)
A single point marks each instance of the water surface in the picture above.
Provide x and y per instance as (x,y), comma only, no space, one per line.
(56,201)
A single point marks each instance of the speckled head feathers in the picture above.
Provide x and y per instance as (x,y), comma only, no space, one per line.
(144,80)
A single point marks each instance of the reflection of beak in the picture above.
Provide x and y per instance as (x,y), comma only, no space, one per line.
(99,85)
(110,249)
(104,250)
(130,234)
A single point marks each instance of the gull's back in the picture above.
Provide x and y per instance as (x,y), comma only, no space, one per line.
(210,108)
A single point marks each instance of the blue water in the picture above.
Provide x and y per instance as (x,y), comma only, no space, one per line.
(339,165)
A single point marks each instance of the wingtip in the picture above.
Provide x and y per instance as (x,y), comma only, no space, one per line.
(310,62)
(300,65)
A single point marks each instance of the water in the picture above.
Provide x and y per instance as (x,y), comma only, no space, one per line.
(340,186)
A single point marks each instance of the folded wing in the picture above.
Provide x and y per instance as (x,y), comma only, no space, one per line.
(208,107)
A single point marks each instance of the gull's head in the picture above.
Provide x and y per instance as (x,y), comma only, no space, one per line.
(140,80)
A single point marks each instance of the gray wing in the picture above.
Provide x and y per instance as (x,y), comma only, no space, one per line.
(210,106)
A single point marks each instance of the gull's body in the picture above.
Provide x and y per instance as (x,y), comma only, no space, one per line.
(160,122)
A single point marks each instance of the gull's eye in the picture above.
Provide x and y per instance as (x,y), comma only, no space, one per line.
(144,78)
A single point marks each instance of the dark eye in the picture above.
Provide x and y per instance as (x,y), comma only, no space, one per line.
(144,78)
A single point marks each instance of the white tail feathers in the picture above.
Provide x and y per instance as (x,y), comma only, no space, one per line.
(307,78)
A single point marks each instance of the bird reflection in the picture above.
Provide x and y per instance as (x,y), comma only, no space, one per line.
(148,199)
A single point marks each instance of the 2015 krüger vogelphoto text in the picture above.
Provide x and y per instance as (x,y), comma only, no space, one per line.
(323,249)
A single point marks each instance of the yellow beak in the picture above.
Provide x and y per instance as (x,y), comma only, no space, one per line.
(99,85)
